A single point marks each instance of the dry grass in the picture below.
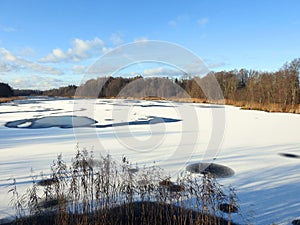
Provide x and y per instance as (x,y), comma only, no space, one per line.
(271,107)
(102,191)
(153,98)
(9,99)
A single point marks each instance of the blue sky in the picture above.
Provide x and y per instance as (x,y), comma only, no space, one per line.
(45,44)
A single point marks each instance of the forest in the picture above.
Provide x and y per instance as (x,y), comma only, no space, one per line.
(5,90)
(250,89)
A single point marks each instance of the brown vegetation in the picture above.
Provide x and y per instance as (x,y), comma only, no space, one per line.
(110,193)
(9,99)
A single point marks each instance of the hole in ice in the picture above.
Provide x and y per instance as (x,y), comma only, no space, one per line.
(215,170)
(80,121)
(52,121)
(289,155)
(227,208)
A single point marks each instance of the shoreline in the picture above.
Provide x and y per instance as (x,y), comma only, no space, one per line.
(9,99)
(271,107)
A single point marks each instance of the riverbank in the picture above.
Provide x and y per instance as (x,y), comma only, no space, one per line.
(9,99)
(268,107)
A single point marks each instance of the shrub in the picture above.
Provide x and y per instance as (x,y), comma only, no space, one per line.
(102,191)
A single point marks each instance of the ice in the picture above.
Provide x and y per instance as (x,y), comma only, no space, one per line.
(261,148)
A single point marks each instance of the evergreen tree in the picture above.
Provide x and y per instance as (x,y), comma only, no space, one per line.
(5,90)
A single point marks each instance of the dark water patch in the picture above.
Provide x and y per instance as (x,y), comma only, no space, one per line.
(176,188)
(151,120)
(157,105)
(47,182)
(118,104)
(79,110)
(171,186)
(38,115)
(131,101)
(160,101)
(215,170)
(63,122)
(50,203)
(18,123)
(296,222)
(106,101)
(52,121)
(79,121)
(165,182)
(133,170)
(30,111)
(6,221)
(290,155)
(211,106)
(227,208)
(27,101)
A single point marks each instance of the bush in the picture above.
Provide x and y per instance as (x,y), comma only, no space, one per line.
(102,191)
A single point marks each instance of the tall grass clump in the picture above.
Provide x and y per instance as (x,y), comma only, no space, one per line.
(102,191)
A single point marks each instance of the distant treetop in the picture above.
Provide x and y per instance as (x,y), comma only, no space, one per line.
(5,90)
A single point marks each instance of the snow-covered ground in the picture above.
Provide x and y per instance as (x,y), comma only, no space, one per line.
(252,143)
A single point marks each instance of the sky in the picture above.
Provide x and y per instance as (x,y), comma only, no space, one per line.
(47,44)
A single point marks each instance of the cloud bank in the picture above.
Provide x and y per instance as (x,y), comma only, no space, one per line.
(80,50)
(10,62)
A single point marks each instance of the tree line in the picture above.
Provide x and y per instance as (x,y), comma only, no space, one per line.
(279,90)
(270,91)
(5,90)
(246,87)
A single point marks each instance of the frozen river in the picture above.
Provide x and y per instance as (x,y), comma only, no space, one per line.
(263,149)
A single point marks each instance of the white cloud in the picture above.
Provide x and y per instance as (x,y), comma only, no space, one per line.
(153,71)
(80,50)
(141,39)
(26,52)
(43,69)
(56,55)
(197,68)
(17,63)
(161,71)
(202,22)
(5,67)
(7,55)
(106,49)
(116,39)
(79,69)
(36,82)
